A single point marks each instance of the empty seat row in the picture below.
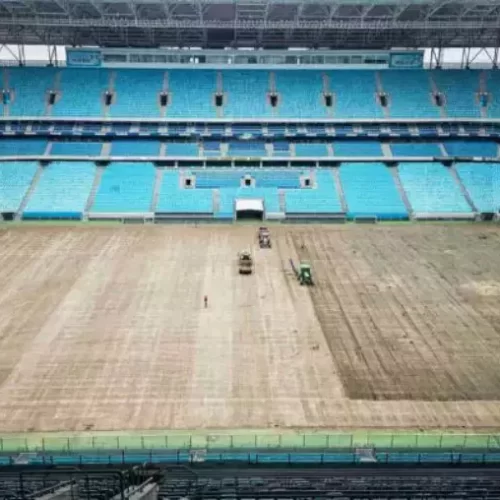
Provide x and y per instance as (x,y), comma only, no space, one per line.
(190,93)
(64,188)
(346,148)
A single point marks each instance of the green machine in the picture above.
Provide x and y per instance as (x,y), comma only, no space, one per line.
(303,272)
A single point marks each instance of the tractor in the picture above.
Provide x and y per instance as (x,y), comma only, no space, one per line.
(264,237)
(245,263)
(303,272)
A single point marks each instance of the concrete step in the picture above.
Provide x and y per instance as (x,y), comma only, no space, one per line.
(399,185)
(31,190)
(93,191)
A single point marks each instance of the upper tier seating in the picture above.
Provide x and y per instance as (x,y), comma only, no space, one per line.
(62,190)
(30,90)
(321,199)
(16,147)
(460,88)
(415,149)
(74,148)
(482,181)
(82,92)
(135,148)
(410,94)
(246,94)
(15,179)
(471,148)
(370,190)
(431,188)
(137,93)
(354,94)
(492,80)
(301,94)
(310,149)
(191,94)
(175,199)
(125,187)
(357,148)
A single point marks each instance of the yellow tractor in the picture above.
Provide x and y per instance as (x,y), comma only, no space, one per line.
(245,263)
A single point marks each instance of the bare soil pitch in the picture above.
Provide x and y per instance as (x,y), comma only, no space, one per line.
(104,328)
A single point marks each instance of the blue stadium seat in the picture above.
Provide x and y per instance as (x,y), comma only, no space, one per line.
(471,148)
(191,94)
(482,181)
(182,149)
(247,148)
(22,147)
(246,94)
(125,187)
(30,86)
(493,87)
(460,88)
(75,148)
(415,149)
(218,178)
(322,199)
(74,101)
(410,94)
(357,148)
(275,178)
(370,190)
(137,93)
(211,148)
(62,190)
(175,199)
(135,148)
(354,94)
(431,188)
(310,149)
(301,94)
(15,179)
(281,148)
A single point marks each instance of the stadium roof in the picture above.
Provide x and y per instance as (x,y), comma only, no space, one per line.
(335,24)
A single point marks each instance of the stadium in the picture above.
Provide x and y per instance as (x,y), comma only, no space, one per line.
(249,249)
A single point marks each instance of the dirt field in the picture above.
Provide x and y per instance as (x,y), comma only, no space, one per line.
(104,328)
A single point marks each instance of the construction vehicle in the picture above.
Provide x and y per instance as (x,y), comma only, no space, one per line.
(264,237)
(245,263)
(303,272)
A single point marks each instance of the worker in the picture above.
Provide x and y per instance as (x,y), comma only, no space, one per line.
(205,300)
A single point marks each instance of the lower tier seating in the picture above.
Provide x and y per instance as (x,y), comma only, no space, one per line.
(370,190)
(62,190)
(174,198)
(320,199)
(125,187)
(482,181)
(431,188)
(15,180)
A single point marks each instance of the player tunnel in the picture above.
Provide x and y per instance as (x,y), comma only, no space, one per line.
(252,209)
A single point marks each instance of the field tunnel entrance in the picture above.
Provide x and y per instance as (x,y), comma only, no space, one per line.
(249,209)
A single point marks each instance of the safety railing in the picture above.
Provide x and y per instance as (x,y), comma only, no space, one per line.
(248,441)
